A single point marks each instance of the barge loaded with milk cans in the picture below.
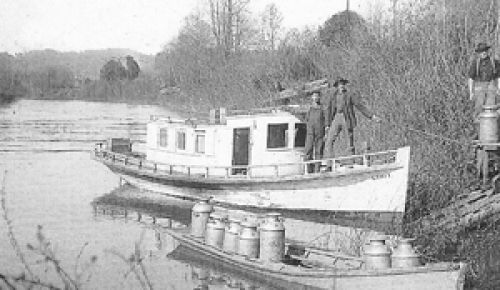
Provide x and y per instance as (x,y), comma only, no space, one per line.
(258,248)
(255,158)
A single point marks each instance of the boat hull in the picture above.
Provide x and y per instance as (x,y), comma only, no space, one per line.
(439,276)
(377,190)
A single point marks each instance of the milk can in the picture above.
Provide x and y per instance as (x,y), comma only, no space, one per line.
(488,124)
(272,238)
(248,242)
(231,235)
(404,256)
(199,218)
(214,235)
(376,254)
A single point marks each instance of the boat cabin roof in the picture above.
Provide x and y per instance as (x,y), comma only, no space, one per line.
(285,112)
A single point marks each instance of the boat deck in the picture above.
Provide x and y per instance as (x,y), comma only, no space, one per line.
(368,162)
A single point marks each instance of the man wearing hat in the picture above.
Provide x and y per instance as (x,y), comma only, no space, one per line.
(483,79)
(340,115)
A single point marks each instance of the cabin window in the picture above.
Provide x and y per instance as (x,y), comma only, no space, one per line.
(181,140)
(163,137)
(199,145)
(277,135)
(300,135)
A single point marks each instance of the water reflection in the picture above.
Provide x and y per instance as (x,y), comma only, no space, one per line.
(210,274)
(348,240)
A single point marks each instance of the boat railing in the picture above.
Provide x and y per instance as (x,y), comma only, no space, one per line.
(338,164)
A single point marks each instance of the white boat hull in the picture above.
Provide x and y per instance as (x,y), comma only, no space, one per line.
(378,190)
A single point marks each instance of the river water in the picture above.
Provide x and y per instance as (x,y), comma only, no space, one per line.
(50,181)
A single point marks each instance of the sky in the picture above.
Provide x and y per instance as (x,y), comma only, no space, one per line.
(142,25)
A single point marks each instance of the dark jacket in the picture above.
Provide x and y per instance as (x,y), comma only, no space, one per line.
(484,70)
(351,100)
(315,119)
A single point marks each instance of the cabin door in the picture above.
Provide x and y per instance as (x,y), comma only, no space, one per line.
(241,142)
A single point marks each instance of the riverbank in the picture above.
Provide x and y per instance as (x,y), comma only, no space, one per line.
(127,93)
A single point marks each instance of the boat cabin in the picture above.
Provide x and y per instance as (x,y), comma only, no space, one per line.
(232,144)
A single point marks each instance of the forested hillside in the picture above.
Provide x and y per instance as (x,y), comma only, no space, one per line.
(53,74)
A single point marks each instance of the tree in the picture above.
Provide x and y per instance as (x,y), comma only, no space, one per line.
(113,70)
(227,19)
(346,28)
(271,20)
(133,68)
(191,56)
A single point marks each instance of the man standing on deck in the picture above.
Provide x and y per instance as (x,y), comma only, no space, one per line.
(315,132)
(483,79)
(340,115)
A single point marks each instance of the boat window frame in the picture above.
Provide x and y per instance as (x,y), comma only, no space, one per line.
(285,137)
(164,129)
(198,133)
(177,132)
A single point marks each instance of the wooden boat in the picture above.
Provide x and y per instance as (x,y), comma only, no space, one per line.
(255,159)
(343,272)
(303,265)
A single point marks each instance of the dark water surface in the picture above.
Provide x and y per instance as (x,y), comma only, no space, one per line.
(50,180)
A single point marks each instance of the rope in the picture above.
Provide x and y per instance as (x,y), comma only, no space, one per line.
(431,135)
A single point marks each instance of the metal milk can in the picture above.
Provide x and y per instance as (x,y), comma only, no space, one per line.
(199,218)
(376,254)
(488,124)
(214,235)
(404,256)
(231,235)
(272,238)
(248,242)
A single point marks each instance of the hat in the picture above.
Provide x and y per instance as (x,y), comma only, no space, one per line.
(482,47)
(340,80)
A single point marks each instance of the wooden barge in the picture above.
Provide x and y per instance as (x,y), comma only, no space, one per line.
(343,272)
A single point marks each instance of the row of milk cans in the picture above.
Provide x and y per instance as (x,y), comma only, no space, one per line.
(246,238)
